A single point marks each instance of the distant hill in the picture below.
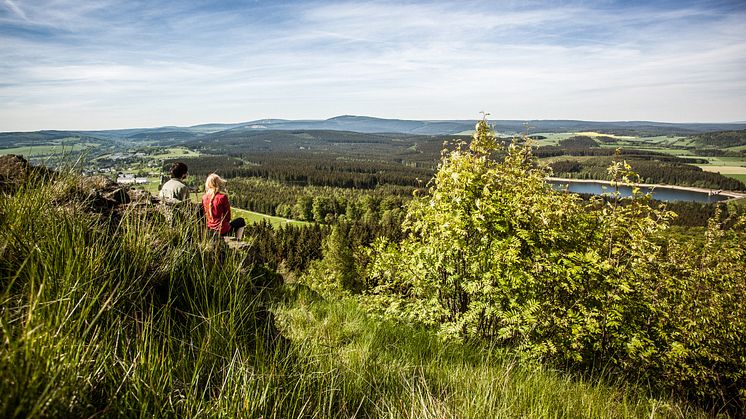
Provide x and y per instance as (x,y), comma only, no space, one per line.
(721,139)
(371,125)
(164,135)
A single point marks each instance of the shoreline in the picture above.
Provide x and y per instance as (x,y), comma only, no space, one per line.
(730,194)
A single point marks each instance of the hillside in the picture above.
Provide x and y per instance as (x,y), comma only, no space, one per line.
(113,307)
(370,125)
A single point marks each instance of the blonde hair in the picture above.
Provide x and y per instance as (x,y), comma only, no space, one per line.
(213,186)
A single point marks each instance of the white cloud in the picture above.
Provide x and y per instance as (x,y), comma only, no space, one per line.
(114,65)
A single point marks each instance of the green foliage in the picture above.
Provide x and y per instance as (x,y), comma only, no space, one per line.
(493,252)
(381,368)
(579,141)
(135,316)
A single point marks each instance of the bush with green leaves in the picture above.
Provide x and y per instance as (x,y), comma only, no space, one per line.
(493,252)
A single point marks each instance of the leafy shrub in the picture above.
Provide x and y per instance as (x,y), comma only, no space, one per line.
(493,252)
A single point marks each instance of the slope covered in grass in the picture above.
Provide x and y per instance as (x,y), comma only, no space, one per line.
(133,313)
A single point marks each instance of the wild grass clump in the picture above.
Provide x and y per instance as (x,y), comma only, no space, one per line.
(133,317)
(358,365)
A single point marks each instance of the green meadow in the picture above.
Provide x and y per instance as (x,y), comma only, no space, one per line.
(48,150)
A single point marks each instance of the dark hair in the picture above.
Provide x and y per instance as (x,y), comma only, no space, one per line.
(178,170)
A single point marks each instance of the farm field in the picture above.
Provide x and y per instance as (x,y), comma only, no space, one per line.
(553,138)
(725,161)
(48,150)
(175,152)
(725,169)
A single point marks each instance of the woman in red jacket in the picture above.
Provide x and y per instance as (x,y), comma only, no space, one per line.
(218,209)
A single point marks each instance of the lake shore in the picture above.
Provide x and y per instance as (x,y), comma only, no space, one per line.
(729,194)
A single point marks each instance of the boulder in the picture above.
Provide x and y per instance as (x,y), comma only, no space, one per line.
(16,171)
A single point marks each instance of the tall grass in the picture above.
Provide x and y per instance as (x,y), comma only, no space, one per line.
(139,315)
(369,367)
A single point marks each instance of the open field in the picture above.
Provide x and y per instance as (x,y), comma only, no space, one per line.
(174,152)
(47,150)
(553,138)
(256,217)
(726,169)
(599,134)
(724,161)
(151,186)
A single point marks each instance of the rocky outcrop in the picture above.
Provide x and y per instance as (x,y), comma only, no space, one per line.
(16,171)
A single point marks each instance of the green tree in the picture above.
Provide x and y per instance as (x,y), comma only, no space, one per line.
(492,251)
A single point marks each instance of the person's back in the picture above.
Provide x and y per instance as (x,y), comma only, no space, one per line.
(217,209)
(175,191)
(218,212)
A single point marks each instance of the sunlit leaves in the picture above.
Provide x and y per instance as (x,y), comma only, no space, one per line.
(492,251)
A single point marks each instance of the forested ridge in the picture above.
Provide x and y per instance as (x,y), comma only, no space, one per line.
(721,139)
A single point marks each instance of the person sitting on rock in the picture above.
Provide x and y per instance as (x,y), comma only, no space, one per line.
(175,191)
(218,209)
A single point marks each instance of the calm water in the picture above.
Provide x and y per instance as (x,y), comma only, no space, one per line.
(660,193)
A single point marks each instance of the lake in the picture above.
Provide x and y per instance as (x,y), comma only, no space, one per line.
(660,193)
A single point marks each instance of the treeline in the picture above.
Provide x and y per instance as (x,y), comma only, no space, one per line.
(320,204)
(289,247)
(714,152)
(330,144)
(297,200)
(697,214)
(317,170)
(650,171)
(293,248)
(722,139)
(688,213)
(555,151)
(579,141)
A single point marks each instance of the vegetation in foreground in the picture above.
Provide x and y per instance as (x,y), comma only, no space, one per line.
(137,314)
(493,253)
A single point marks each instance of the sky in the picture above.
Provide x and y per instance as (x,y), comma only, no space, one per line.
(104,64)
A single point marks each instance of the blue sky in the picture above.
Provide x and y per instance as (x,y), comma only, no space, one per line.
(76,64)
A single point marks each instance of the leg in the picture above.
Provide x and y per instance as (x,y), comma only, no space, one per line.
(237,227)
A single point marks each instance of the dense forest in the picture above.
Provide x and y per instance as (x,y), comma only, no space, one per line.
(664,171)
(721,139)
(317,170)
